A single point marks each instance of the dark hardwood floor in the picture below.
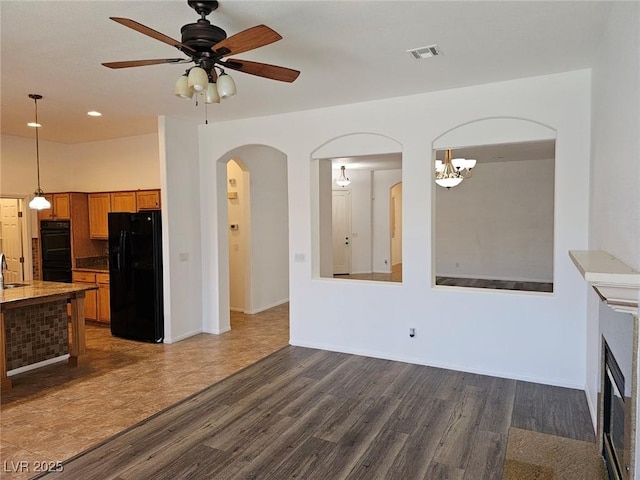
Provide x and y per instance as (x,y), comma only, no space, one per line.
(495,284)
(311,414)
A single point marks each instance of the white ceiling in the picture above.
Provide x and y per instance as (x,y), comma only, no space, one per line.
(347,51)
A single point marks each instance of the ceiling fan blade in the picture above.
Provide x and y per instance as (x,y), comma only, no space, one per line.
(138,27)
(141,63)
(273,72)
(246,40)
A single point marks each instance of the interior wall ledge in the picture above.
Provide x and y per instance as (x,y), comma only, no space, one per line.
(617,284)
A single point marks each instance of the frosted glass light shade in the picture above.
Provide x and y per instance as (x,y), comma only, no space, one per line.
(226,86)
(470,163)
(39,202)
(439,166)
(449,182)
(182,88)
(458,163)
(212,94)
(198,79)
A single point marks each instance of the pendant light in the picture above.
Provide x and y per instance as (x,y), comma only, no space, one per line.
(343,180)
(39,201)
(451,172)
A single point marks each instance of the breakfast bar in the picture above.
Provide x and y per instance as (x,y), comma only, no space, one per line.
(38,311)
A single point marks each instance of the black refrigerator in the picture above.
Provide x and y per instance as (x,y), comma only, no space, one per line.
(135,276)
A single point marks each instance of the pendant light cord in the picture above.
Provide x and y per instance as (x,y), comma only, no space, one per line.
(37,145)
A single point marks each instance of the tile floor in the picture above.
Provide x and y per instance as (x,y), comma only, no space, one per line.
(55,412)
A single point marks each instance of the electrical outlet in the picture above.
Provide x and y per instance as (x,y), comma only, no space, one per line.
(457,264)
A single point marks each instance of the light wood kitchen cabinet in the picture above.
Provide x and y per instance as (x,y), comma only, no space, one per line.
(59,207)
(104,306)
(91,296)
(99,208)
(148,199)
(123,202)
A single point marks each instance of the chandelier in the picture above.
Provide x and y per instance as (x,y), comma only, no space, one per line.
(451,172)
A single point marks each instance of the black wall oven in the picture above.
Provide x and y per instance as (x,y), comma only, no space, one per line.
(55,246)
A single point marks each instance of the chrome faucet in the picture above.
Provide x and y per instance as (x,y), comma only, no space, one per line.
(3,266)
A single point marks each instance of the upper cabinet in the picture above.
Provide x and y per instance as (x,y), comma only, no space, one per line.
(59,207)
(148,199)
(99,207)
(100,204)
(123,202)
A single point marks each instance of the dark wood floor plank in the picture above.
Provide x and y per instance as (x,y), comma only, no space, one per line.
(260,457)
(438,471)
(553,410)
(487,456)
(378,458)
(455,445)
(303,462)
(567,414)
(498,410)
(358,438)
(414,458)
(528,409)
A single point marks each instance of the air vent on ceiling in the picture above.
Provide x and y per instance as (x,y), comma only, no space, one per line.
(425,52)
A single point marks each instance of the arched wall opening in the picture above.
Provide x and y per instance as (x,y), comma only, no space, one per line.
(495,229)
(352,221)
(253,238)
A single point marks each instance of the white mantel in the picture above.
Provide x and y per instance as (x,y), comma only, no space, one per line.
(617,284)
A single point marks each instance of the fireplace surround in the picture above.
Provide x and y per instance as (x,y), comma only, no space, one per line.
(618,287)
(616,418)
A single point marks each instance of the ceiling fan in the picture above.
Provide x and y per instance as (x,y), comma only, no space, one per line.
(208,47)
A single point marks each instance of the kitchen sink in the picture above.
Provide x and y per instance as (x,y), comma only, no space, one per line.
(14,285)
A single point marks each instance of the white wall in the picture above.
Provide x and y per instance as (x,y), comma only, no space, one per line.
(120,164)
(510,334)
(498,224)
(18,173)
(128,163)
(180,189)
(614,221)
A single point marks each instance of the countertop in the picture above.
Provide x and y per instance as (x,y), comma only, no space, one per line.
(40,289)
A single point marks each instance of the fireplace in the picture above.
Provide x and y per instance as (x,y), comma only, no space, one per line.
(616,410)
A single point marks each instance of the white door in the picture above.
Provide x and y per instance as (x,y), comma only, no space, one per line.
(10,216)
(341,228)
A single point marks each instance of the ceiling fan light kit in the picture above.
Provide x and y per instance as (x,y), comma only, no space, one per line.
(182,88)
(451,172)
(197,79)
(208,47)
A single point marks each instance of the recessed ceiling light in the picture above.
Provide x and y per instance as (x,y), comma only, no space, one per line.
(93,113)
(425,52)
(34,125)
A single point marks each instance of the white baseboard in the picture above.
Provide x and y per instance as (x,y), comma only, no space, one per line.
(266,307)
(181,337)
(419,361)
(33,366)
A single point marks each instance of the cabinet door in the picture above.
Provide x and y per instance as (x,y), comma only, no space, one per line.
(48,213)
(90,298)
(99,207)
(104,307)
(123,202)
(148,199)
(61,210)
